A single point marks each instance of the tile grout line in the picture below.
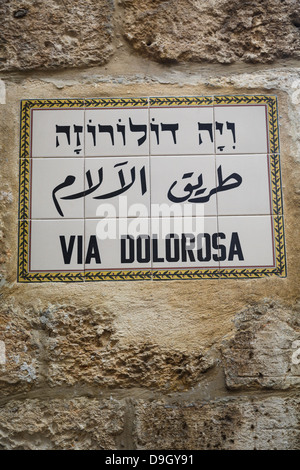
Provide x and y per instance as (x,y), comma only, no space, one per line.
(215,161)
(84,182)
(150,197)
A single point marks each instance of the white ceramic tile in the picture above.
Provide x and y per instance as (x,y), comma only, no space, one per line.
(187,242)
(241,129)
(247,241)
(56,245)
(244,185)
(56,184)
(175,131)
(114,132)
(181,185)
(121,187)
(117,244)
(57,133)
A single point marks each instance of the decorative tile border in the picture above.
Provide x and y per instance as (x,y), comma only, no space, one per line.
(174,101)
(117,275)
(162,274)
(275,174)
(24,188)
(116,103)
(187,274)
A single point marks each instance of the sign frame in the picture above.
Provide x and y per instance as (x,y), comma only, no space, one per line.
(24,221)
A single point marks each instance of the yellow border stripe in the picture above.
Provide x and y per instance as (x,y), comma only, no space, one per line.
(117,103)
(185,274)
(117,275)
(177,101)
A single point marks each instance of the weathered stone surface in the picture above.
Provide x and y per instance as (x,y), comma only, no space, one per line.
(64,346)
(67,424)
(231,424)
(83,347)
(261,351)
(89,423)
(6,199)
(55,33)
(20,366)
(214,30)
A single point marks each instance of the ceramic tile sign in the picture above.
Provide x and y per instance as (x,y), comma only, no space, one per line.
(154,188)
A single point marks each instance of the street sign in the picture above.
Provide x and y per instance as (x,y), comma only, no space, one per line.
(150,189)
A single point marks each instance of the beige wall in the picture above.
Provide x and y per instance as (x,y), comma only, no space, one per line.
(173,364)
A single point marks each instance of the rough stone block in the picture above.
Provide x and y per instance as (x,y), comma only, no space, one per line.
(55,34)
(20,364)
(261,352)
(61,424)
(213,31)
(83,347)
(227,424)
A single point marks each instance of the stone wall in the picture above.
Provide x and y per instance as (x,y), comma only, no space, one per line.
(201,364)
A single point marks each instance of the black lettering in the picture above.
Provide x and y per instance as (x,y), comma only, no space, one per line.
(172,245)
(121,128)
(64,130)
(78,130)
(205,127)
(93,251)
(92,130)
(108,129)
(221,248)
(79,249)
(156,258)
(201,242)
(155,128)
(67,252)
(172,128)
(235,248)
(139,128)
(143,245)
(124,257)
(187,249)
